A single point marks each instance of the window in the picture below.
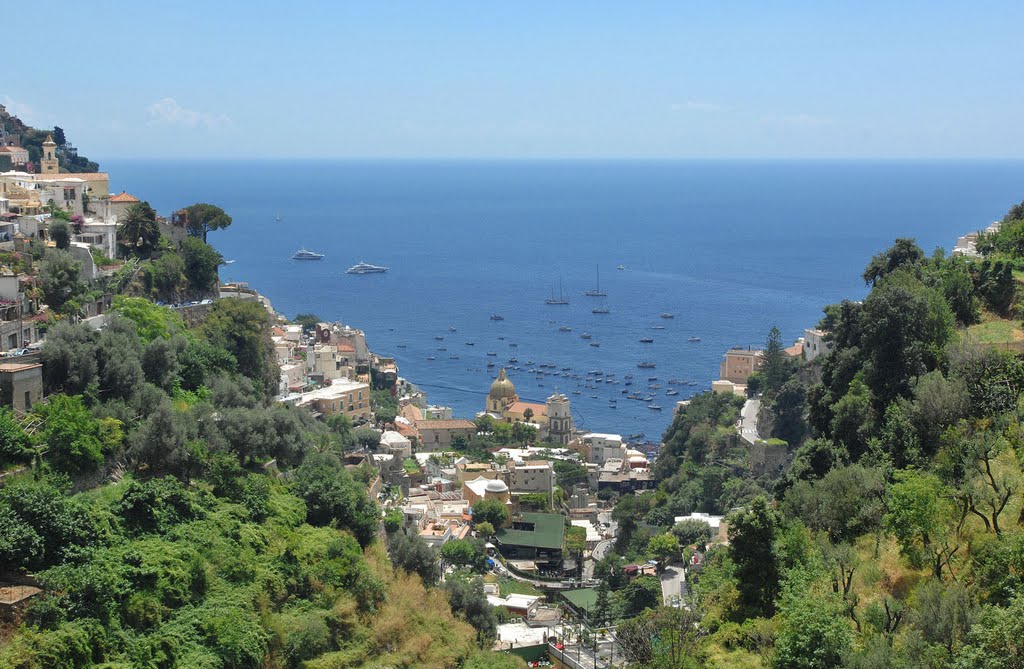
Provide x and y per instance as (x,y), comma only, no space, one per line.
(28,400)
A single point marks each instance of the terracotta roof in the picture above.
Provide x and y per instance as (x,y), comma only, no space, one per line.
(346,348)
(521,407)
(124,197)
(456,423)
(407,430)
(12,149)
(795,351)
(411,412)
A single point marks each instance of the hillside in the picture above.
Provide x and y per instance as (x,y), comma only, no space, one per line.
(32,139)
(894,534)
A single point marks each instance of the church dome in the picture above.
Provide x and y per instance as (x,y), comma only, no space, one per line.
(496,486)
(502,388)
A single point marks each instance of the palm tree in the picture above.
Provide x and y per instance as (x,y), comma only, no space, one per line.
(137,229)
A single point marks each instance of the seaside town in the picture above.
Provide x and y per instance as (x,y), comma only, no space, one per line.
(554,544)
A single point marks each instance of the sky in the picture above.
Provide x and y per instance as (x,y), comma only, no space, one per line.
(527,79)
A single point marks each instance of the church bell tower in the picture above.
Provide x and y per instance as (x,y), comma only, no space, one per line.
(49,161)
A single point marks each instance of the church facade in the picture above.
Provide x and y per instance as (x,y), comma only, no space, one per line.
(553,418)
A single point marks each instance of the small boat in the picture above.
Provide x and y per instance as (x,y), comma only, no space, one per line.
(492,354)
(470,343)
(668,315)
(497,317)
(595,344)
(636,436)
(513,360)
(654,407)
(671,392)
(451,328)
(576,392)
(366,268)
(439,338)
(401,345)
(621,267)
(652,378)
(646,365)
(306,254)
(561,295)
(694,339)
(657,327)
(441,348)
(490,364)
(600,310)
(514,345)
(597,291)
(565,328)
(430,357)
(453,357)
(585,335)
(567,369)
(501,339)
(647,340)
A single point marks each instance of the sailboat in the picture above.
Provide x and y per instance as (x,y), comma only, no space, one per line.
(597,291)
(561,295)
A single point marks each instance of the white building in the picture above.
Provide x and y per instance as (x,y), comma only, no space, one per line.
(815,344)
(393,442)
(714,522)
(603,447)
(535,477)
(351,398)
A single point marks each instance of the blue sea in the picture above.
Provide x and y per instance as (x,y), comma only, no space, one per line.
(729,248)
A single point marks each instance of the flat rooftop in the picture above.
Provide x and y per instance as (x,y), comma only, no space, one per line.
(548,531)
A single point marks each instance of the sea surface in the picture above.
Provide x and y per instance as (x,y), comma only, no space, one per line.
(729,248)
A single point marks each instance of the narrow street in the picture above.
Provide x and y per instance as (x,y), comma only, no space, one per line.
(673,581)
(748,421)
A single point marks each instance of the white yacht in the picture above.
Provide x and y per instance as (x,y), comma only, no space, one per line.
(306,254)
(366,268)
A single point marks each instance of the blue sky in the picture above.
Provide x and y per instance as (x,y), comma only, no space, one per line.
(526,79)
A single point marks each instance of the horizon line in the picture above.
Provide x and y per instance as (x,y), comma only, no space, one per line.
(631,159)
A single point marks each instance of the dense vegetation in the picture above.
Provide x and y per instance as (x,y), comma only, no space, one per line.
(233,535)
(32,139)
(894,537)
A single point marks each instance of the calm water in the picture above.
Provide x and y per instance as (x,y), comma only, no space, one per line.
(730,248)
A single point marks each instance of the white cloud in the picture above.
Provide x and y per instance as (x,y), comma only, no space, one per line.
(168,112)
(20,109)
(700,106)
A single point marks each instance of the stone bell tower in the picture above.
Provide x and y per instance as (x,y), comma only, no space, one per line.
(49,161)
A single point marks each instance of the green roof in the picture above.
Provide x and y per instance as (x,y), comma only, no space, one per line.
(548,531)
(584,600)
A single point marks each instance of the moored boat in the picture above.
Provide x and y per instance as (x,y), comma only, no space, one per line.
(366,268)
(306,254)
